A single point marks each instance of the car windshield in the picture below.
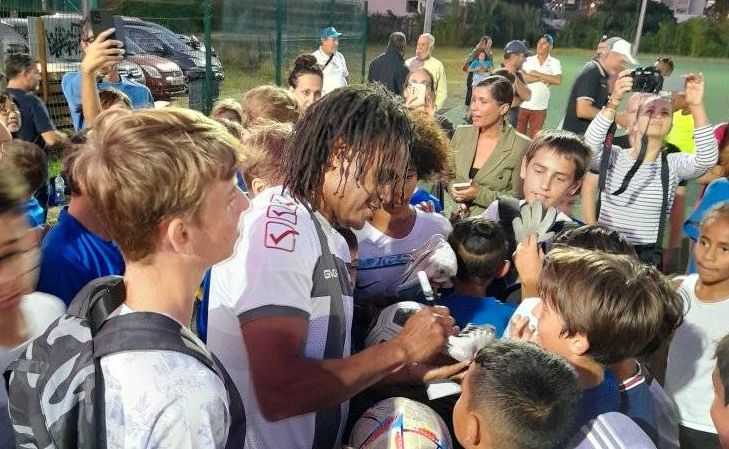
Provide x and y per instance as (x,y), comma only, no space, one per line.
(171,40)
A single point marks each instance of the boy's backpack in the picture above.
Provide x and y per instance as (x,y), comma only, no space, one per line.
(56,388)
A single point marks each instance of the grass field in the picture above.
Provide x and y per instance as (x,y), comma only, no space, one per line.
(572,62)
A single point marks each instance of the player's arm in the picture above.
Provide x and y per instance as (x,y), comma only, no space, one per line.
(287,383)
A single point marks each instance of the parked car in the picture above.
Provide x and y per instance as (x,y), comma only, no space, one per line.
(169,46)
(188,39)
(162,76)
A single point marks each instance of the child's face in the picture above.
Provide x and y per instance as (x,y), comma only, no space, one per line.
(548,177)
(549,329)
(719,411)
(481,56)
(712,251)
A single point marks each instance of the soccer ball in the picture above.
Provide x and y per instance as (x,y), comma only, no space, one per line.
(400,423)
(390,321)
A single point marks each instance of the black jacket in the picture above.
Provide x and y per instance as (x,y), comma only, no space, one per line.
(389,70)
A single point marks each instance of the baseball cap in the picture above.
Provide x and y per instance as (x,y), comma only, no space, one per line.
(549,38)
(611,430)
(330,33)
(623,47)
(516,46)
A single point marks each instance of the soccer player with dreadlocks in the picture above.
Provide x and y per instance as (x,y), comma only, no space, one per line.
(637,185)
(280,311)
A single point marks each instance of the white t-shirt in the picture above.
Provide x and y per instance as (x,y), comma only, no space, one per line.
(526,308)
(163,399)
(271,274)
(39,311)
(539,89)
(383,259)
(335,73)
(690,357)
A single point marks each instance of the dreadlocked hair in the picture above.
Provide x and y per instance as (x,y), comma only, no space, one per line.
(365,124)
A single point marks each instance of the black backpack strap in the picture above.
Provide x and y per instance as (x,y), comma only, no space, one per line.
(147,331)
(602,176)
(664,200)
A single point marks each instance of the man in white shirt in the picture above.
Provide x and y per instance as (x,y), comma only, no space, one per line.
(332,62)
(424,59)
(541,71)
(280,312)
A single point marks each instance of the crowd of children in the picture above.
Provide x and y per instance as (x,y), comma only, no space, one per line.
(258,245)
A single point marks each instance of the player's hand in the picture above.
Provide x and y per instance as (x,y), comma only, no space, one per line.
(425,334)
(102,52)
(426,372)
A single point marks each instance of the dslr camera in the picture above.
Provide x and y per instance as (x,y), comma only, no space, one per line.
(647,80)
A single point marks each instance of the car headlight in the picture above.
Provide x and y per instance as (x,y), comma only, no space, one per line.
(154,73)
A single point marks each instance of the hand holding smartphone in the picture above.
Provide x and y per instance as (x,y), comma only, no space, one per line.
(417,94)
(104,19)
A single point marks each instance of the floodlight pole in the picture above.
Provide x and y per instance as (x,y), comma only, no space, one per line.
(639,30)
(427,24)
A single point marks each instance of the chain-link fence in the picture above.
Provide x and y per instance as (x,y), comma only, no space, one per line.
(185,51)
(261,39)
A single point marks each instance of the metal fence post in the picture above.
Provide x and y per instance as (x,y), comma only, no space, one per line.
(365,25)
(209,77)
(280,16)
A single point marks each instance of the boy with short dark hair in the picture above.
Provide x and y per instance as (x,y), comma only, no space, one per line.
(551,171)
(482,253)
(515,396)
(706,307)
(598,309)
(720,378)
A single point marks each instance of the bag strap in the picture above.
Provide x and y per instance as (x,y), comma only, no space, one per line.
(147,331)
(664,200)
(602,176)
(328,61)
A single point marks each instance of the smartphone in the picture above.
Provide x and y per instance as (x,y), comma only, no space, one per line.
(461,185)
(103,19)
(673,84)
(418,93)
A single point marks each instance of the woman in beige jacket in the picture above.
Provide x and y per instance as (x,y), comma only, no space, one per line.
(488,153)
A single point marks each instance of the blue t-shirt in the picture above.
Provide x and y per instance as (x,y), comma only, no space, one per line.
(421,195)
(595,401)
(35,214)
(716,192)
(139,95)
(34,117)
(487,310)
(636,401)
(72,256)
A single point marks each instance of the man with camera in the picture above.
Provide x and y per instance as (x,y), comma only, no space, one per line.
(590,90)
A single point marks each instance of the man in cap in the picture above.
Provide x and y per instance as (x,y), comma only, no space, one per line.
(590,90)
(541,71)
(332,62)
(515,53)
(423,59)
